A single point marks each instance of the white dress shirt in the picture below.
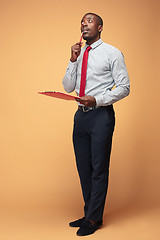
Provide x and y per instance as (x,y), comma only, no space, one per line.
(105,69)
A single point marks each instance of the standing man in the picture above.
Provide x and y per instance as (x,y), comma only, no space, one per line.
(92,72)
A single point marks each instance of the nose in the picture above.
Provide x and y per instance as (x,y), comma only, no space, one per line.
(84,23)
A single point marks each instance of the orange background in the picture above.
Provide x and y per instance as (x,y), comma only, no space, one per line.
(39,185)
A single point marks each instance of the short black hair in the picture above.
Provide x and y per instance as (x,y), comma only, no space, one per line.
(100,21)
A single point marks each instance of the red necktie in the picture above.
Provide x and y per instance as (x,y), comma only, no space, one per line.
(83,72)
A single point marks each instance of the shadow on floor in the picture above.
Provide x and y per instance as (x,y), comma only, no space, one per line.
(122,213)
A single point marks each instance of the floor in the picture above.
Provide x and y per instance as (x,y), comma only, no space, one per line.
(129,224)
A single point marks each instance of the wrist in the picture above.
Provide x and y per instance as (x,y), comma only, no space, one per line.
(95,101)
(73,60)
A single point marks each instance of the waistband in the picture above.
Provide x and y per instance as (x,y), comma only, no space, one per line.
(86,109)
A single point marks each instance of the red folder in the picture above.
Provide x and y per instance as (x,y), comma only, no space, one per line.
(59,95)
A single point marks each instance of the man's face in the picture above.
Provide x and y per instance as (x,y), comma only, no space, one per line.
(90,28)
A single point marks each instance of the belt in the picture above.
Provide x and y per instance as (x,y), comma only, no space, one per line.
(86,109)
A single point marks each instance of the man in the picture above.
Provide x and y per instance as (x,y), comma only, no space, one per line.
(94,120)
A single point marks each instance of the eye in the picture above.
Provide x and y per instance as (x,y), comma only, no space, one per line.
(89,20)
(82,23)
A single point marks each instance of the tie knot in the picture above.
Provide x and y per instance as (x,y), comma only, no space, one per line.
(88,48)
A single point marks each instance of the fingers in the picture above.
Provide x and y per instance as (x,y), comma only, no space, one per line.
(87,101)
(76,48)
(75,51)
(80,44)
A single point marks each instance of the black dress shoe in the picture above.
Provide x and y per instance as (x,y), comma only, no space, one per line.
(88,228)
(77,223)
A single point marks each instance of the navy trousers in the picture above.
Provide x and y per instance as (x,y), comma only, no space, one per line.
(92,140)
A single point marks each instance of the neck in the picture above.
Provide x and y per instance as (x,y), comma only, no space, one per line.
(91,41)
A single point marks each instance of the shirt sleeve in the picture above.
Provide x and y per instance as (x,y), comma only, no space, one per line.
(121,82)
(69,80)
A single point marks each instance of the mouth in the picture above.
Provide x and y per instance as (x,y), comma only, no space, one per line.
(85,31)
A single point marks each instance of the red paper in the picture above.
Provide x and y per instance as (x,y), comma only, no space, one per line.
(60,95)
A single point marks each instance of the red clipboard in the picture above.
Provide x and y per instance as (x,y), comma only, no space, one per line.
(59,95)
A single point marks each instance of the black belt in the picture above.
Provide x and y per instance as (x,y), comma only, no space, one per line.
(86,109)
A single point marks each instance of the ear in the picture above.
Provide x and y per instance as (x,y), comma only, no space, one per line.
(100,28)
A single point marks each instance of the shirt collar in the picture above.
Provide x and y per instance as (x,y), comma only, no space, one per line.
(95,44)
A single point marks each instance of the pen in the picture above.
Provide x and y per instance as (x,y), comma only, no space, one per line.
(81,38)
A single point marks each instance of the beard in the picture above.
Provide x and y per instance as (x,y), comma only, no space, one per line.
(88,37)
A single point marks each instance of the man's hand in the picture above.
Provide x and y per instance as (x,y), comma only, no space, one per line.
(87,101)
(75,51)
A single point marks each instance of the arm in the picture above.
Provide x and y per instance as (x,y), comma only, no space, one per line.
(69,80)
(121,80)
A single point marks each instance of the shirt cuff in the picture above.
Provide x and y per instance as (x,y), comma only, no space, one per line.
(71,66)
(99,101)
